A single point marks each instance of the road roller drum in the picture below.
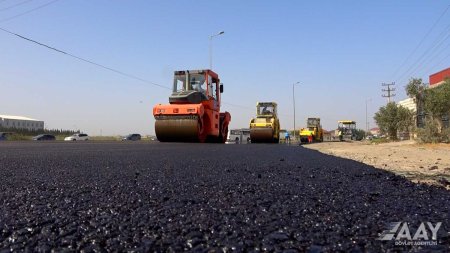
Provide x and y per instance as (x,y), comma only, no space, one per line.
(261,135)
(179,129)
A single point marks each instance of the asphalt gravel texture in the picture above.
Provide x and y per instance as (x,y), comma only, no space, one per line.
(173,197)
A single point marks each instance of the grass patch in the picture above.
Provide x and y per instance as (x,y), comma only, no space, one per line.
(105,138)
(19,137)
(380,140)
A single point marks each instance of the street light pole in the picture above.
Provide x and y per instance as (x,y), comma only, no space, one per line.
(210,47)
(367,122)
(293,100)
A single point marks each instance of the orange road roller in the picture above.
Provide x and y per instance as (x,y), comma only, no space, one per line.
(193,113)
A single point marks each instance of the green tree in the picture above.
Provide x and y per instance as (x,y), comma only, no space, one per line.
(434,103)
(437,102)
(415,88)
(393,118)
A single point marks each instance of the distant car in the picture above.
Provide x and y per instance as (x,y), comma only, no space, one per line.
(132,137)
(44,137)
(77,137)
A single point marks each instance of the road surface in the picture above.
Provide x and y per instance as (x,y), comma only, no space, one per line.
(140,197)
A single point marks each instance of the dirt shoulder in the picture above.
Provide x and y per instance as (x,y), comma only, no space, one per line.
(426,163)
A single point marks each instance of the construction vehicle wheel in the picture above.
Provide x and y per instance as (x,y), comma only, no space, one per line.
(223,135)
(201,132)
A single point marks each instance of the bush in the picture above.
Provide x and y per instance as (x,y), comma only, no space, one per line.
(379,140)
(446,135)
(27,132)
(360,134)
(430,133)
(18,137)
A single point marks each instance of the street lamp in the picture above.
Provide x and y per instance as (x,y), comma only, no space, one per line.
(367,122)
(293,99)
(210,47)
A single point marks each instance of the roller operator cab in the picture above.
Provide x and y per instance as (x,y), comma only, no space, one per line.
(193,113)
(265,128)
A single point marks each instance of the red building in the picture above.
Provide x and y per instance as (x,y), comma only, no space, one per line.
(439,77)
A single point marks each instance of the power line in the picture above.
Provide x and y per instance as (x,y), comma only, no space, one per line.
(15,5)
(437,64)
(24,13)
(437,44)
(421,41)
(84,60)
(102,66)
(435,56)
(240,106)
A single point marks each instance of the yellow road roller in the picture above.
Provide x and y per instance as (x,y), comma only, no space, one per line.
(265,128)
(313,131)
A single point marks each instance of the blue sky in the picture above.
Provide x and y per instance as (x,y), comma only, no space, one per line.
(339,51)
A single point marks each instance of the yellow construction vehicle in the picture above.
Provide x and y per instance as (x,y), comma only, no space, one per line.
(346,130)
(266,126)
(313,131)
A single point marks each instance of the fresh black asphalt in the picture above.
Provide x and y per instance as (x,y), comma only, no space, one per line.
(172,197)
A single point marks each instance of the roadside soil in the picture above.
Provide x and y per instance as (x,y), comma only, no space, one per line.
(420,163)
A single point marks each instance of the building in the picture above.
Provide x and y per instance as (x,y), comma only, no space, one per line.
(438,78)
(408,103)
(417,107)
(375,131)
(19,122)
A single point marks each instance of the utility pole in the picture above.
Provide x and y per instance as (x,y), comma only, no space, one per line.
(389,91)
(367,122)
(293,102)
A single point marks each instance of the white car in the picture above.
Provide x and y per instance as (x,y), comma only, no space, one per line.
(238,136)
(77,137)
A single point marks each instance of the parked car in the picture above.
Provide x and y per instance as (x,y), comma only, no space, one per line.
(44,137)
(77,137)
(132,137)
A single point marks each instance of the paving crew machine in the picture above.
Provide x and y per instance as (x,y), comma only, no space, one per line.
(266,126)
(346,130)
(193,113)
(313,131)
